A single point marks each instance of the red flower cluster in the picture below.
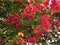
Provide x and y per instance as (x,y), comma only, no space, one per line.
(46,3)
(29,14)
(36,31)
(30,10)
(31,39)
(13,20)
(39,7)
(8,21)
(45,22)
(53,4)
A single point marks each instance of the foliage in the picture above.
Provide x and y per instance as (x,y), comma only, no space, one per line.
(30,21)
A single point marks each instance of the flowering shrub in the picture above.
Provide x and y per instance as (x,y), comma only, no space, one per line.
(30,21)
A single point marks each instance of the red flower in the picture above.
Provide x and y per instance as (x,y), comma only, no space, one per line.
(46,3)
(31,8)
(36,31)
(17,25)
(53,4)
(28,16)
(39,7)
(39,37)
(27,8)
(45,22)
(15,18)
(28,40)
(8,21)
(34,8)
(29,12)
(31,40)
